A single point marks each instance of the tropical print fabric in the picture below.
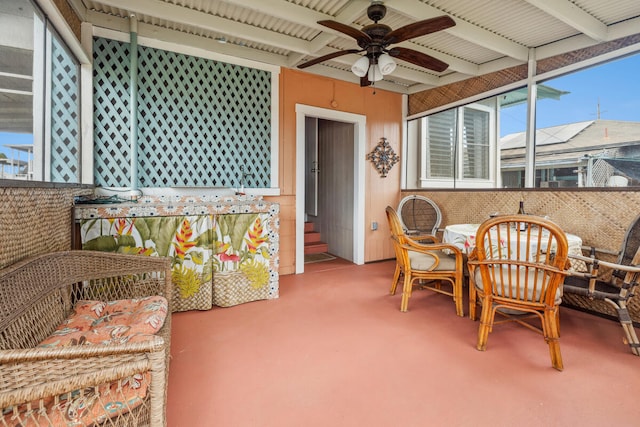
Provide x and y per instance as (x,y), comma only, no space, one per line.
(113,322)
(199,245)
(187,240)
(242,244)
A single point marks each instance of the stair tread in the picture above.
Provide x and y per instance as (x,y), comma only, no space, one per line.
(315,247)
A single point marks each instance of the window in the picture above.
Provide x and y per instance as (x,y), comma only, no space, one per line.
(476,143)
(455,147)
(39,99)
(440,143)
(587,129)
(587,135)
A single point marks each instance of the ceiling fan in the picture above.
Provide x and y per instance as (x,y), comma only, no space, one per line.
(374,39)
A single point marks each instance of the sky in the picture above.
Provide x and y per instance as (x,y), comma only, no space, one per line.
(615,85)
(14,138)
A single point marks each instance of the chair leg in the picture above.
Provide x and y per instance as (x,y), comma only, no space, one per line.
(552,336)
(396,278)
(627,326)
(473,304)
(485,324)
(406,292)
(457,296)
(473,295)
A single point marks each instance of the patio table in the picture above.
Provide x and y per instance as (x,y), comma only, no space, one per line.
(463,236)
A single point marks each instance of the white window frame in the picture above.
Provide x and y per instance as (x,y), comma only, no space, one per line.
(459,181)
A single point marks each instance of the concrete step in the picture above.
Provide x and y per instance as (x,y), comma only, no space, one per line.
(315,248)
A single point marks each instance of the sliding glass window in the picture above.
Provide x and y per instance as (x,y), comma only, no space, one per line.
(39,98)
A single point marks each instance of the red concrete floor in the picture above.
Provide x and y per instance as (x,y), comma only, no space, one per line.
(334,350)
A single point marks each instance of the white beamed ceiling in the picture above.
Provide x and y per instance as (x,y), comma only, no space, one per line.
(489,34)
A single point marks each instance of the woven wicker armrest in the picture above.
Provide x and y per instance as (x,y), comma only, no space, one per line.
(414,245)
(33,355)
(111,276)
(35,373)
(612,265)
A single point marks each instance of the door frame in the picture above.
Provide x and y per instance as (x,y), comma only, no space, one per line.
(359,122)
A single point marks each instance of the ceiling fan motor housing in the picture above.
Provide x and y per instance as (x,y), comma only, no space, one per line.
(376,31)
(376,11)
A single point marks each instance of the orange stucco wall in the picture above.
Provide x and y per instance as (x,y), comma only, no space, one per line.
(383,111)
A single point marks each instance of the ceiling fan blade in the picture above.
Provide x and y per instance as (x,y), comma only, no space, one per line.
(364,81)
(362,38)
(418,58)
(419,28)
(327,57)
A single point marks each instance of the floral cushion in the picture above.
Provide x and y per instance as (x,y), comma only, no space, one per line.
(113,322)
(89,406)
(96,323)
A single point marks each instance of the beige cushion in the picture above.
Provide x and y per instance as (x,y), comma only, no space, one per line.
(478,280)
(423,262)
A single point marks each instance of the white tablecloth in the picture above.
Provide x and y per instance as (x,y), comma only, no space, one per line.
(464,237)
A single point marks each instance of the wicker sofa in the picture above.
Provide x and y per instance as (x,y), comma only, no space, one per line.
(39,385)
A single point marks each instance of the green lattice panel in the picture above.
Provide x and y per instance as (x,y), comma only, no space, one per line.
(111,101)
(65,115)
(201,120)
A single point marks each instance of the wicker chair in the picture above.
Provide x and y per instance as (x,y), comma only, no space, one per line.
(426,263)
(618,286)
(516,270)
(420,218)
(36,296)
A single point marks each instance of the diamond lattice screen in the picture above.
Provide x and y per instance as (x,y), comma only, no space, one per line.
(65,115)
(201,122)
(111,101)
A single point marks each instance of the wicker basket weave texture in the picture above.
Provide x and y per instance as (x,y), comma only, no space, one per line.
(35,221)
(201,300)
(233,287)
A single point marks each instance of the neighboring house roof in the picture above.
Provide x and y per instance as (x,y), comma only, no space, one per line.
(571,142)
(15,162)
(26,148)
(519,96)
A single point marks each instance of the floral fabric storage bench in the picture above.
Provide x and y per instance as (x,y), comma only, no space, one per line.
(224,250)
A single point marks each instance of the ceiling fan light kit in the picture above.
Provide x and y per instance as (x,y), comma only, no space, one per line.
(374,74)
(374,39)
(386,63)
(361,66)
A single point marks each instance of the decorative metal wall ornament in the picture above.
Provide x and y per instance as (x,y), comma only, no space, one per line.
(383,157)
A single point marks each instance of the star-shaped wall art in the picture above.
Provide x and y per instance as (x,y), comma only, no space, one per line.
(383,157)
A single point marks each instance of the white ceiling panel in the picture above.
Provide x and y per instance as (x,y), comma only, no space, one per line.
(286,32)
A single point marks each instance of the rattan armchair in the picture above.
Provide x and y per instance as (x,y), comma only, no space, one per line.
(516,270)
(427,264)
(617,286)
(36,296)
(420,218)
